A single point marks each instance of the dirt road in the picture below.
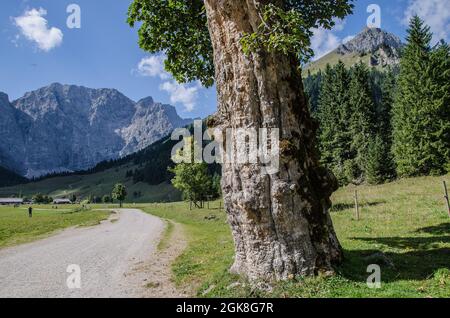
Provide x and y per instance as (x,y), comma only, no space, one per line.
(106,257)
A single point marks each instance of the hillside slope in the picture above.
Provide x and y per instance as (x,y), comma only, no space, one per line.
(96,184)
(372,46)
(144,173)
(9,178)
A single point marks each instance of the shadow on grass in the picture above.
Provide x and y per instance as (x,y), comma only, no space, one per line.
(416,243)
(440,229)
(346,206)
(420,260)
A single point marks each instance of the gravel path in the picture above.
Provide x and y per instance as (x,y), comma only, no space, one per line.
(107,256)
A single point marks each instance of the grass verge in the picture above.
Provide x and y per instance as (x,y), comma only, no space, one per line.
(210,248)
(16,227)
(404,228)
(164,242)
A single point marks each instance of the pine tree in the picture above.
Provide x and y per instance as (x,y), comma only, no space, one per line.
(440,123)
(355,131)
(334,114)
(312,89)
(420,112)
(384,112)
(328,117)
(362,118)
(384,128)
(375,166)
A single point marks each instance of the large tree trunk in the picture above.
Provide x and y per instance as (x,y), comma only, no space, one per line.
(280,223)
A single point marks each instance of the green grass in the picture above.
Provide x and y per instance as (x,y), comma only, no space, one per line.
(333,58)
(16,227)
(164,242)
(97,184)
(406,220)
(210,248)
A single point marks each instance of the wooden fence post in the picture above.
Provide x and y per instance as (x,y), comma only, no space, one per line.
(446,197)
(356,205)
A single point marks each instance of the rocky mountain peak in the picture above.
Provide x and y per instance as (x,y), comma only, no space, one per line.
(4,99)
(69,128)
(372,46)
(78,101)
(369,41)
(146,102)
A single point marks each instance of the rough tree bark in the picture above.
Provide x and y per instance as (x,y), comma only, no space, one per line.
(280,223)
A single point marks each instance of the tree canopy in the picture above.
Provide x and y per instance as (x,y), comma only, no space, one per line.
(421,125)
(119,193)
(355,133)
(179,29)
(192,178)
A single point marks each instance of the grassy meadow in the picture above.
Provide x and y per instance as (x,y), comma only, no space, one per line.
(333,58)
(97,184)
(404,227)
(16,227)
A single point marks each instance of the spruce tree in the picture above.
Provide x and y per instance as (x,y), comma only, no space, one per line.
(384,125)
(384,111)
(334,115)
(362,118)
(312,89)
(375,165)
(327,117)
(439,136)
(420,112)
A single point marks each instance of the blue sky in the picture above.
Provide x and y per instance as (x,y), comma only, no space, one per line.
(37,48)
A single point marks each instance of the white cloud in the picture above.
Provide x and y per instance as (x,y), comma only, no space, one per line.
(34,27)
(339,25)
(153,66)
(435,13)
(182,93)
(185,94)
(324,41)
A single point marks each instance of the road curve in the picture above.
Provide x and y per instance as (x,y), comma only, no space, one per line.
(107,256)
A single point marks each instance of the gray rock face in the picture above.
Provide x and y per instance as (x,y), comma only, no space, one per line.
(150,123)
(369,41)
(11,137)
(69,128)
(383,47)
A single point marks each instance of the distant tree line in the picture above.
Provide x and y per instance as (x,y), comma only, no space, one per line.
(152,165)
(375,125)
(155,164)
(40,198)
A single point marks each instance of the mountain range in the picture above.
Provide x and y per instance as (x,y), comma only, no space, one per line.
(62,128)
(373,46)
(70,128)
